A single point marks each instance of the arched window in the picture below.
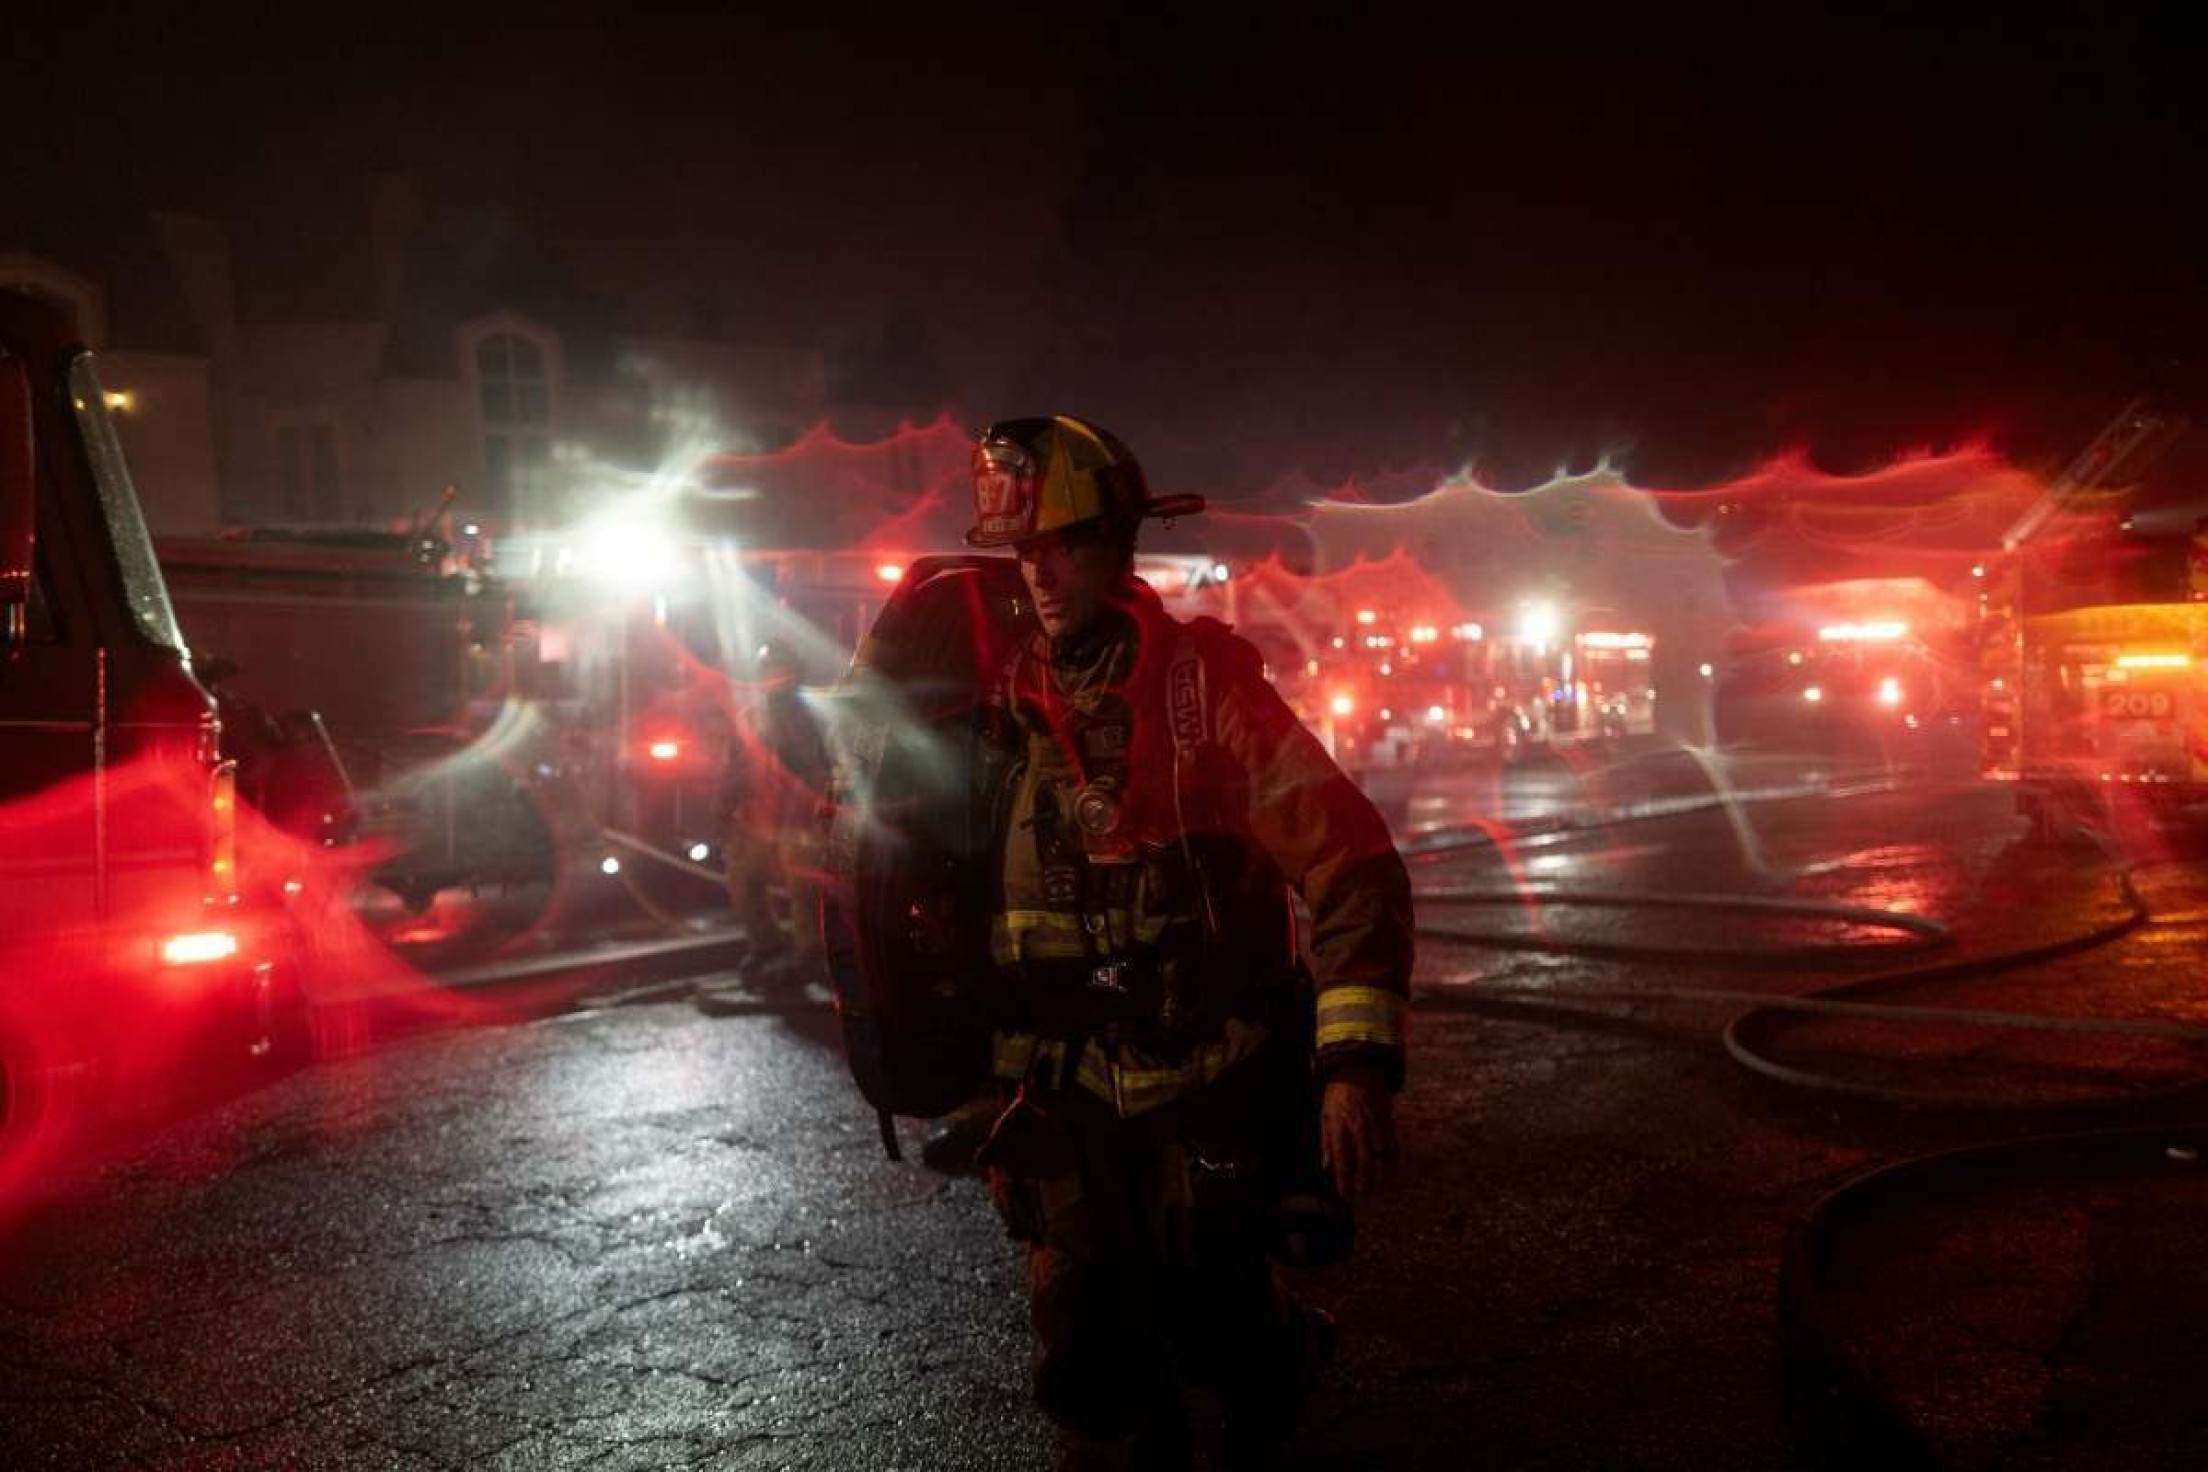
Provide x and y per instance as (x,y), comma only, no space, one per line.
(514,389)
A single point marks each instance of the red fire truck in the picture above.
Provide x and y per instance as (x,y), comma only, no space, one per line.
(2094,658)
(2093,642)
(363,677)
(1873,666)
(128,953)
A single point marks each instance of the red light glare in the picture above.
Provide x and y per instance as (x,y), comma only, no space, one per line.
(890,572)
(664,751)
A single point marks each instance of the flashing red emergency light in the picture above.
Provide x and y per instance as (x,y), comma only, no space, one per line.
(1342,705)
(663,750)
(890,572)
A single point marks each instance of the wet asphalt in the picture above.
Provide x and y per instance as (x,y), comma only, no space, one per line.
(660,1234)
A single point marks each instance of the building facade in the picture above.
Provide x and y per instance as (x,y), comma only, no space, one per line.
(460,355)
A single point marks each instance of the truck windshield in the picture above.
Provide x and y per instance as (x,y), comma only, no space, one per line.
(142,585)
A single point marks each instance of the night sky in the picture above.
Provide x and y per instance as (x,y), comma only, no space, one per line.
(1333,244)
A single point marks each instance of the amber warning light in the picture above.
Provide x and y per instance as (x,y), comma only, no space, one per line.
(222,859)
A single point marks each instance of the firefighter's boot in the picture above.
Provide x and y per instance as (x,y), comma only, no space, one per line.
(1167,1444)
(1258,1429)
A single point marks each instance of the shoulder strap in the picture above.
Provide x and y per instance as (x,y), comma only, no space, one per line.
(1187,708)
(1188,713)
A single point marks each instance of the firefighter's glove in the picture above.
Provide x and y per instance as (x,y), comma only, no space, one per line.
(1356,1133)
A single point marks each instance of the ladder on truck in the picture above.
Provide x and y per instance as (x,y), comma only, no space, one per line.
(2130,442)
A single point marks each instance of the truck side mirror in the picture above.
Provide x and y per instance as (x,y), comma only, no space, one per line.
(18,488)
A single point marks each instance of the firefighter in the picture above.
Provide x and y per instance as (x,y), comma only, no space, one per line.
(778,770)
(1183,1100)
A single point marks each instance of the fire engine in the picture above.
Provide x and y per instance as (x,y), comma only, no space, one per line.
(129,951)
(2095,648)
(2094,643)
(1865,665)
(361,673)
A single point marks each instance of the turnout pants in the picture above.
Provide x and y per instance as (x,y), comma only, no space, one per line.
(1146,1241)
(758,864)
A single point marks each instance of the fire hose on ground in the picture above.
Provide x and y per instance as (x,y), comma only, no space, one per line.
(1833,1377)
(1858,1411)
(1745,1031)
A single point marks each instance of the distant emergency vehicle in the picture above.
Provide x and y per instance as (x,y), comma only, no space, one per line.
(1865,664)
(1391,689)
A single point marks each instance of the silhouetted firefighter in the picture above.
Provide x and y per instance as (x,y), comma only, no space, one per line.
(777,778)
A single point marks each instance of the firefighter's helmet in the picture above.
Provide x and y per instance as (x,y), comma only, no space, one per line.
(1033,477)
